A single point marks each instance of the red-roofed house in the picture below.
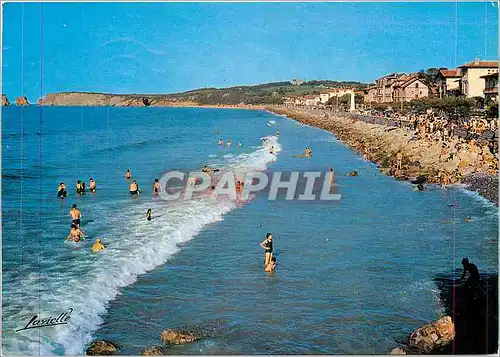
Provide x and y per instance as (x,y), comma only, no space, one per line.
(409,88)
(471,84)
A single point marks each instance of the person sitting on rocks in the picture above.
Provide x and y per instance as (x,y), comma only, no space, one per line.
(399,160)
(470,271)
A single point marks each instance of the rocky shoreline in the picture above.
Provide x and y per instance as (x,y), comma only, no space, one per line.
(380,144)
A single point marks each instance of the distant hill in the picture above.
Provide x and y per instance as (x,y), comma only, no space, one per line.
(268,93)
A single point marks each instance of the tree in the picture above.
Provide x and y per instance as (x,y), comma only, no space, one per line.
(492,111)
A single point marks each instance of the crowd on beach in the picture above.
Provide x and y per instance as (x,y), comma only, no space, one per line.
(466,143)
(466,148)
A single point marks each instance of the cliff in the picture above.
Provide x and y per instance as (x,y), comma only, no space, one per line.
(22,100)
(5,101)
(113,100)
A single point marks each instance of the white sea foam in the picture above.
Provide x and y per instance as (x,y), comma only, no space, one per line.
(89,282)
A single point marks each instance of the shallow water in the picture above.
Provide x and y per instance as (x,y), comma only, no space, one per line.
(353,276)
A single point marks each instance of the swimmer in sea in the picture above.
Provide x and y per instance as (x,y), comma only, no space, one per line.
(79,189)
(352,173)
(97,246)
(240,144)
(76,234)
(128,174)
(92,186)
(332,176)
(271,266)
(220,142)
(271,150)
(83,188)
(61,190)
(214,194)
(134,188)
(156,187)
(76,215)
(277,133)
(308,152)
(267,244)
(208,170)
(149,214)
(228,143)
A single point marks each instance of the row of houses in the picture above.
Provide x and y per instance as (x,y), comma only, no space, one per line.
(321,98)
(473,79)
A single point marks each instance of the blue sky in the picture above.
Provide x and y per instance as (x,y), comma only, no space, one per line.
(171,47)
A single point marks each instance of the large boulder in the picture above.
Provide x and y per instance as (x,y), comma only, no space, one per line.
(153,351)
(173,337)
(5,101)
(22,100)
(398,351)
(101,348)
(434,336)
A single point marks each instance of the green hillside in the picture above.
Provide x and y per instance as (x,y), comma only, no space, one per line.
(269,93)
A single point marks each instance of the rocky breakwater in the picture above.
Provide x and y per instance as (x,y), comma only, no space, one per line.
(381,145)
(22,100)
(5,101)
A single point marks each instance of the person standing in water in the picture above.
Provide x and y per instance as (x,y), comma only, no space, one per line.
(267,244)
(75,234)
(128,174)
(156,187)
(271,150)
(79,187)
(228,143)
(149,214)
(92,186)
(134,188)
(332,176)
(61,190)
(220,142)
(277,133)
(76,215)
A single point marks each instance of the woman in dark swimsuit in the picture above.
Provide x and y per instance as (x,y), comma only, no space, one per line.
(134,188)
(267,244)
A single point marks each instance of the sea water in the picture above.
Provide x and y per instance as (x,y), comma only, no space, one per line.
(353,276)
